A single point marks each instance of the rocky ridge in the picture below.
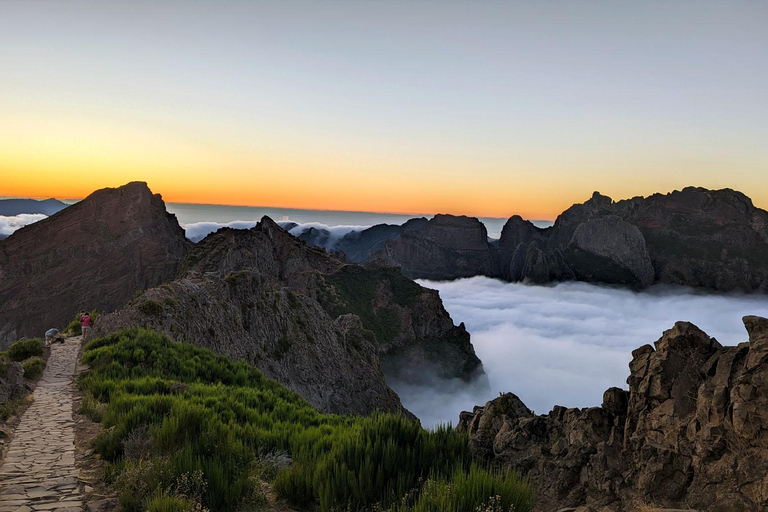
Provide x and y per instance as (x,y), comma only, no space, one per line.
(690,432)
(92,255)
(711,239)
(321,327)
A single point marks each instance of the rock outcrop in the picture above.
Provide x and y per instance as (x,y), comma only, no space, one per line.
(94,254)
(321,327)
(716,240)
(690,432)
(446,247)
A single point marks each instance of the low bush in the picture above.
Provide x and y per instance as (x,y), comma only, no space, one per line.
(183,425)
(24,349)
(33,368)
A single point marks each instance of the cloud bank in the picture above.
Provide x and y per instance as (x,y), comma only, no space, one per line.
(196,231)
(566,344)
(323,235)
(9,224)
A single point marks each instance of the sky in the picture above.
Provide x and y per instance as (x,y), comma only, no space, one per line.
(479,108)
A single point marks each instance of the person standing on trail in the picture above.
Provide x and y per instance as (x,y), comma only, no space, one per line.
(85,324)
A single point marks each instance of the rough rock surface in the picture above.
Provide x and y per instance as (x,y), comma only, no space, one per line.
(446,247)
(690,432)
(11,381)
(313,323)
(92,255)
(713,239)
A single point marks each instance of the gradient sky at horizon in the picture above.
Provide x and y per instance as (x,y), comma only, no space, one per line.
(479,108)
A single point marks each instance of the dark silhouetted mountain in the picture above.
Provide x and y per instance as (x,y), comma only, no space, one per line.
(11,207)
(696,237)
(92,255)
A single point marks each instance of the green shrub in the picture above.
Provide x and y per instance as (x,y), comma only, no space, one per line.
(33,368)
(91,407)
(151,307)
(477,490)
(10,407)
(74,328)
(217,428)
(166,503)
(24,349)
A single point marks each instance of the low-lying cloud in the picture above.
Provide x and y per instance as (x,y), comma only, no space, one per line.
(196,231)
(9,224)
(325,236)
(566,344)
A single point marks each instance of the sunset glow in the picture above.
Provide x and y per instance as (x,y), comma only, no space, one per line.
(292,107)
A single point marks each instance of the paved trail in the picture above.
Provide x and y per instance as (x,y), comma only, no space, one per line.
(39,469)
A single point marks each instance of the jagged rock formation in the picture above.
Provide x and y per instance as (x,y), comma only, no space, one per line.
(446,247)
(317,325)
(690,432)
(695,237)
(11,207)
(356,246)
(92,255)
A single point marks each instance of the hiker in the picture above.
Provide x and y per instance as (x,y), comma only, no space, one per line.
(85,324)
(49,334)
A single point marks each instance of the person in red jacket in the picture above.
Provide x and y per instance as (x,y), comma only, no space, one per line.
(85,324)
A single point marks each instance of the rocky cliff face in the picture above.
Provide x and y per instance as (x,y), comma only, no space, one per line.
(690,432)
(321,327)
(446,247)
(716,240)
(92,255)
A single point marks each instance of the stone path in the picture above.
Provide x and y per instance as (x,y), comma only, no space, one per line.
(39,469)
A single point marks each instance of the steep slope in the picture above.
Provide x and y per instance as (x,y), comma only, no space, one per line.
(304,318)
(92,255)
(689,432)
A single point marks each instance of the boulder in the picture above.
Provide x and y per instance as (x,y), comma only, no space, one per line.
(689,432)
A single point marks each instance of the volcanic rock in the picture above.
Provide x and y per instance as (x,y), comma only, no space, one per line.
(696,237)
(446,247)
(690,432)
(92,255)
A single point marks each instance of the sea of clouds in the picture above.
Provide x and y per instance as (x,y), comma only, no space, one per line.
(9,224)
(567,343)
(196,231)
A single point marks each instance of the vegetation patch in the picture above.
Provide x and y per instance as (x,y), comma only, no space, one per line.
(33,368)
(354,289)
(186,428)
(24,349)
(151,307)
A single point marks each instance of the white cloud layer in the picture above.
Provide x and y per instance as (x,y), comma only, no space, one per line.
(335,233)
(196,231)
(10,224)
(566,344)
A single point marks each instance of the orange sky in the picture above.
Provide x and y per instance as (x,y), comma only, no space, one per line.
(485,110)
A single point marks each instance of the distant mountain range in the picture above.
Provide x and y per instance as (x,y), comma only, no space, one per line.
(11,207)
(710,239)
